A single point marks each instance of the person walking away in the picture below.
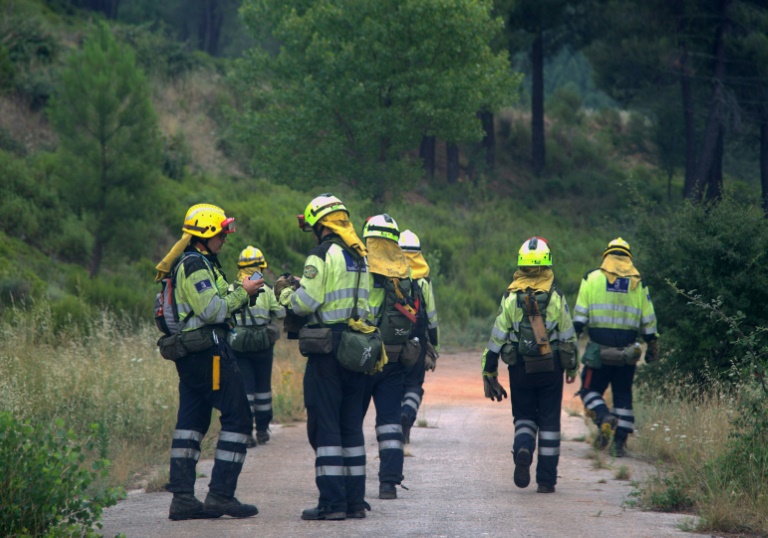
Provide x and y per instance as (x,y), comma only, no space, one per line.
(534,335)
(426,330)
(208,375)
(615,306)
(332,290)
(392,310)
(253,340)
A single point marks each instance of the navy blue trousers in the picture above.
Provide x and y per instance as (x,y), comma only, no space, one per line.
(196,402)
(256,368)
(333,396)
(536,402)
(386,389)
(594,382)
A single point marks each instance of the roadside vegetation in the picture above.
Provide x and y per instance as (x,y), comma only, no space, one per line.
(81,371)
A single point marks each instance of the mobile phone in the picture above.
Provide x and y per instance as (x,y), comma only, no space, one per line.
(256,275)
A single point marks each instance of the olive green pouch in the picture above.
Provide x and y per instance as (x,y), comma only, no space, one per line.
(591,357)
(568,355)
(171,347)
(409,354)
(359,351)
(508,354)
(197,340)
(249,339)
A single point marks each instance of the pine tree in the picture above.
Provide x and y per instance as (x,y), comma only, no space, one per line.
(109,150)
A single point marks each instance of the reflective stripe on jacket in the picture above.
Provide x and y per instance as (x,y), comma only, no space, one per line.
(205,293)
(263,312)
(328,286)
(614,313)
(507,325)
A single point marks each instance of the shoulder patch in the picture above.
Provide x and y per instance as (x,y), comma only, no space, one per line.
(353,265)
(310,271)
(203,285)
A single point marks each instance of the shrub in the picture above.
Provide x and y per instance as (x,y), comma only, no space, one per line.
(46,488)
(720,251)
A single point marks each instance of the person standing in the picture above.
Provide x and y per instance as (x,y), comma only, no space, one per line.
(208,373)
(391,286)
(253,340)
(534,335)
(426,330)
(615,306)
(333,289)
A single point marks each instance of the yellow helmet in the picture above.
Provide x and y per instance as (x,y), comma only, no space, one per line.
(206,221)
(534,253)
(318,208)
(409,241)
(618,246)
(252,257)
(381,226)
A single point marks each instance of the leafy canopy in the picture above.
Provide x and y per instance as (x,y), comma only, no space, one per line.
(355,84)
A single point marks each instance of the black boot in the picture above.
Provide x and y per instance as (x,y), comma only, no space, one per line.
(318,514)
(262,437)
(523,468)
(387,490)
(619,447)
(186,506)
(228,506)
(355,512)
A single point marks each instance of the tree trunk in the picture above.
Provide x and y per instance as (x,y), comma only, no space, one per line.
(690,125)
(427,155)
(489,139)
(715,183)
(451,162)
(209,28)
(764,159)
(538,156)
(715,117)
(98,252)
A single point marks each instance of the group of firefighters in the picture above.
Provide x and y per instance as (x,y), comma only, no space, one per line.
(364,314)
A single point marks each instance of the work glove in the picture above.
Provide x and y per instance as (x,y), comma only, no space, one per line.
(493,388)
(430,359)
(652,353)
(281,283)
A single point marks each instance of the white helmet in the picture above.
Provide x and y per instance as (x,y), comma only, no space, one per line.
(409,241)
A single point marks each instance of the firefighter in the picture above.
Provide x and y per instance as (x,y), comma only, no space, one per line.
(208,373)
(534,335)
(426,331)
(390,285)
(254,340)
(335,273)
(615,306)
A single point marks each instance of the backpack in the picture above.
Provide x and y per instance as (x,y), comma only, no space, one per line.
(166,311)
(399,314)
(527,346)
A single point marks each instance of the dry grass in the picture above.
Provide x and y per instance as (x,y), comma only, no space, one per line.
(29,129)
(183,108)
(114,377)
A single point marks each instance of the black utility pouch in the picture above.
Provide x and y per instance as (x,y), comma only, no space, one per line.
(539,365)
(315,341)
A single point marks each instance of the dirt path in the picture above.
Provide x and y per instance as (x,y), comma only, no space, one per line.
(459,475)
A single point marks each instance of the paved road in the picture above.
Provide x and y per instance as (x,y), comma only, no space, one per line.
(458,471)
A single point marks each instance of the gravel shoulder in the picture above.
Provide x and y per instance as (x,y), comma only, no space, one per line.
(458,470)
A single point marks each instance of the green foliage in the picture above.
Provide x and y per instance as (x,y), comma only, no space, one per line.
(46,487)
(356,84)
(109,150)
(716,251)
(7,70)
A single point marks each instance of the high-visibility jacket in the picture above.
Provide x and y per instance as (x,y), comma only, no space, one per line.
(614,313)
(201,289)
(327,289)
(506,328)
(262,312)
(431,308)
